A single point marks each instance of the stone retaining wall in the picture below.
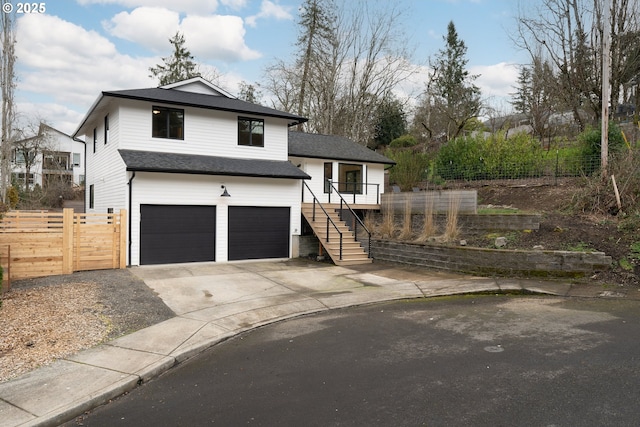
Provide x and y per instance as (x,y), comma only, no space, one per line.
(491,261)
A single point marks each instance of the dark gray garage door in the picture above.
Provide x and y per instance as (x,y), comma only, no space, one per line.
(258,232)
(170,234)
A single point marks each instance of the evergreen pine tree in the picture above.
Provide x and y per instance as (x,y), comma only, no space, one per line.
(179,66)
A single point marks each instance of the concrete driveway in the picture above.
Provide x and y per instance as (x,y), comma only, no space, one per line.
(267,291)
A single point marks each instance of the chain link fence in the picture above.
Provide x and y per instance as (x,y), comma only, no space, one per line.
(548,169)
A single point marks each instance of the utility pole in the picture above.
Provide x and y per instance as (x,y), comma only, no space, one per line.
(606,90)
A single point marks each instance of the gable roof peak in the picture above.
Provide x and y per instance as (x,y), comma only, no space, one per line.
(198,84)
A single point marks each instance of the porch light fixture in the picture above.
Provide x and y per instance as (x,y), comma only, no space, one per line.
(225,193)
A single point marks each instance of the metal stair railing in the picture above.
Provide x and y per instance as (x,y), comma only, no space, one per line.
(355,231)
(329,220)
(355,191)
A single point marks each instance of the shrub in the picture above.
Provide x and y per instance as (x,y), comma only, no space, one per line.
(407,219)
(403,141)
(461,158)
(452,230)
(429,228)
(591,143)
(410,168)
(493,157)
(388,225)
(13,197)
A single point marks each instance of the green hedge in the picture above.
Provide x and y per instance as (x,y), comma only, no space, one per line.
(491,157)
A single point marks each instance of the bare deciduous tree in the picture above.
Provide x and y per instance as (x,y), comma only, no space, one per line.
(569,34)
(354,63)
(7,83)
(543,99)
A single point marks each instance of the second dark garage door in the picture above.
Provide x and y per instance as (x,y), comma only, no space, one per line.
(258,232)
(172,233)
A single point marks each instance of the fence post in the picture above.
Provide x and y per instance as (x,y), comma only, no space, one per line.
(123,238)
(67,241)
(77,234)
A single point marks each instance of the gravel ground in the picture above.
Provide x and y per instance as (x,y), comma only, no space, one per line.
(47,318)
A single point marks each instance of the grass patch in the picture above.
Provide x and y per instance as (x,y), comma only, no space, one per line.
(580,247)
(635,250)
(625,264)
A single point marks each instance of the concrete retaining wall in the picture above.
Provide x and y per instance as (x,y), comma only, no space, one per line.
(491,261)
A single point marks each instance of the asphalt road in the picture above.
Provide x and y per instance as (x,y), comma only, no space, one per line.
(463,361)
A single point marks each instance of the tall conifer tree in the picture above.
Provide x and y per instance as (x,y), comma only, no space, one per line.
(179,66)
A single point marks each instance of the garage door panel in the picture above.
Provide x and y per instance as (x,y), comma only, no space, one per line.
(258,232)
(173,234)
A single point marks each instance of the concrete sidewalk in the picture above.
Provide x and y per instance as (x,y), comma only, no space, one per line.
(213,302)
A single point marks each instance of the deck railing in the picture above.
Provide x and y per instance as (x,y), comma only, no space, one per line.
(352,188)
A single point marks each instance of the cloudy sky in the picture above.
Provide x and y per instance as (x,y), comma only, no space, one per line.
(78,48)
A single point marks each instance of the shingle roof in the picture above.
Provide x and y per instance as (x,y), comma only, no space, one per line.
(332,147)
(152,161)
(200,100)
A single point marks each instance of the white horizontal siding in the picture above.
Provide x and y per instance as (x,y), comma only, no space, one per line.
(180,189)
(105,169)
(206,132)
(373,177)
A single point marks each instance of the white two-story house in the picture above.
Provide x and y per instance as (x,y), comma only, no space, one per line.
(47,158)
(204,176)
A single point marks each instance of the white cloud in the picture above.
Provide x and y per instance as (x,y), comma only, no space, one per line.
(66,66)
(60,117)
(148,26)
(496,80)
(268,9)
(183,6)
(234,4)
(208,37)
(217,37)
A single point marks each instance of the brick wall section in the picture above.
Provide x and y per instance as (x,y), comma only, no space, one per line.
(491,261)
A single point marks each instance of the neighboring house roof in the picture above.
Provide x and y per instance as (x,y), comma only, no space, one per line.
(151,161)
(41,131)
(332,147)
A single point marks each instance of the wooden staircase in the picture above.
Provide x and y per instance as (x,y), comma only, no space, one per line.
(352,252)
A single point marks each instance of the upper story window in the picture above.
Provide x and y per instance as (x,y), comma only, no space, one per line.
(167,123)
(20,156)
(95,139)
(106,129)
(250,132)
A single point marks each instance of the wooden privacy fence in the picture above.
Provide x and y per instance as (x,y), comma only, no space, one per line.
(36,243)
(440,201)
